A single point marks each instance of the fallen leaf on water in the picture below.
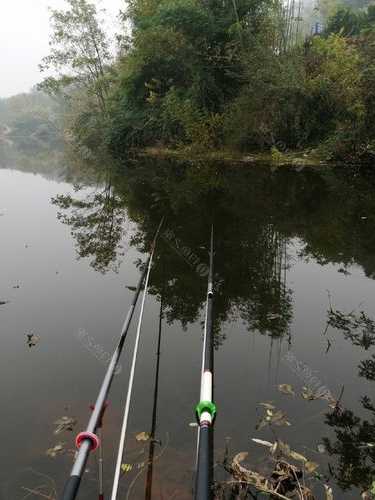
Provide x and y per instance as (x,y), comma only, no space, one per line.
(65,424)
(143,436)
(298,457)
(329,492)
(272,417)
(52,452)
(311,466)
(286,389)
(32,340)
(193,424)
(243,474)
(126,468)
(267,405)
(280,449)
(263,443)
(308,394)
(321,448)
(131,288)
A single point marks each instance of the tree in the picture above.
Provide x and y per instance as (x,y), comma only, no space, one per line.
(79,52)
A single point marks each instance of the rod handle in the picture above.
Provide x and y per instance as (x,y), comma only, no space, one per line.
(71,488)
(204,477)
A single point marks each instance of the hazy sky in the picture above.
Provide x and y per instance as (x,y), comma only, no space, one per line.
(24,32)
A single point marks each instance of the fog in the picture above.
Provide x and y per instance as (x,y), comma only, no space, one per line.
(24,33)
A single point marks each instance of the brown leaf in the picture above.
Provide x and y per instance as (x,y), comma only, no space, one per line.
(311,466)
(58,448)
(298,456)
(65,424)
(143,436)
(267,405)
(286,389)
(263,443)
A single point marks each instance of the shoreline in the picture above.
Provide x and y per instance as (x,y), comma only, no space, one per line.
(289,159)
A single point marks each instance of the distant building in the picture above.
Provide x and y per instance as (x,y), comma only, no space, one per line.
(317,29)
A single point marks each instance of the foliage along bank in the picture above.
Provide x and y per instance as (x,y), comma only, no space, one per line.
(206,75)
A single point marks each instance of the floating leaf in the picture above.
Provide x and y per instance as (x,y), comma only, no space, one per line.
(52,452)
(297,456)
(64,424)
(263,443)
(125,468)
(308,394)
(268,405)
(31,339)
(272,417)
(143,436)
(286,389)
(329,492)
(243,474)
(311,466)
(193,424)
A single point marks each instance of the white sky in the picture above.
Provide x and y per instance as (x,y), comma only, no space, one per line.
(24,32)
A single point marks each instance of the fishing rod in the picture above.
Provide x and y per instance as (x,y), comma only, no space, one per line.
(88,440)
(101,458)
(206,409)
(124,426)
(150,464)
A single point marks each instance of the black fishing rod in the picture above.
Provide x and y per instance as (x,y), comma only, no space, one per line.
(150,464)
(88,441)
(206,409)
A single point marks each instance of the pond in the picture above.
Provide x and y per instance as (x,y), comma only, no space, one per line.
(291,245)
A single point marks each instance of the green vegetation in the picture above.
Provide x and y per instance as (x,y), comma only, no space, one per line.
(240,75)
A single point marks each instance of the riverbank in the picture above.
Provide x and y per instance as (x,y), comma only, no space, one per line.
(274,158)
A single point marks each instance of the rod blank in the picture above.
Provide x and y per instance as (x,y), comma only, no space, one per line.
(206,408)
(73,483)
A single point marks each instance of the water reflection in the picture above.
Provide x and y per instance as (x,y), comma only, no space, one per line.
(257,214)
(353,446)
(97,223)
(268,225)
(251,250)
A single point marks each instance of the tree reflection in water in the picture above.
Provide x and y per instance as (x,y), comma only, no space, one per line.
(257,214)
(354,443)
(97,223)
(251,251)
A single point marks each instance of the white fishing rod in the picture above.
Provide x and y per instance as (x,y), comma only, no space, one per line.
(124,427)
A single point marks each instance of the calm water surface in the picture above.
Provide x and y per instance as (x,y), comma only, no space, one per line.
(286,241)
